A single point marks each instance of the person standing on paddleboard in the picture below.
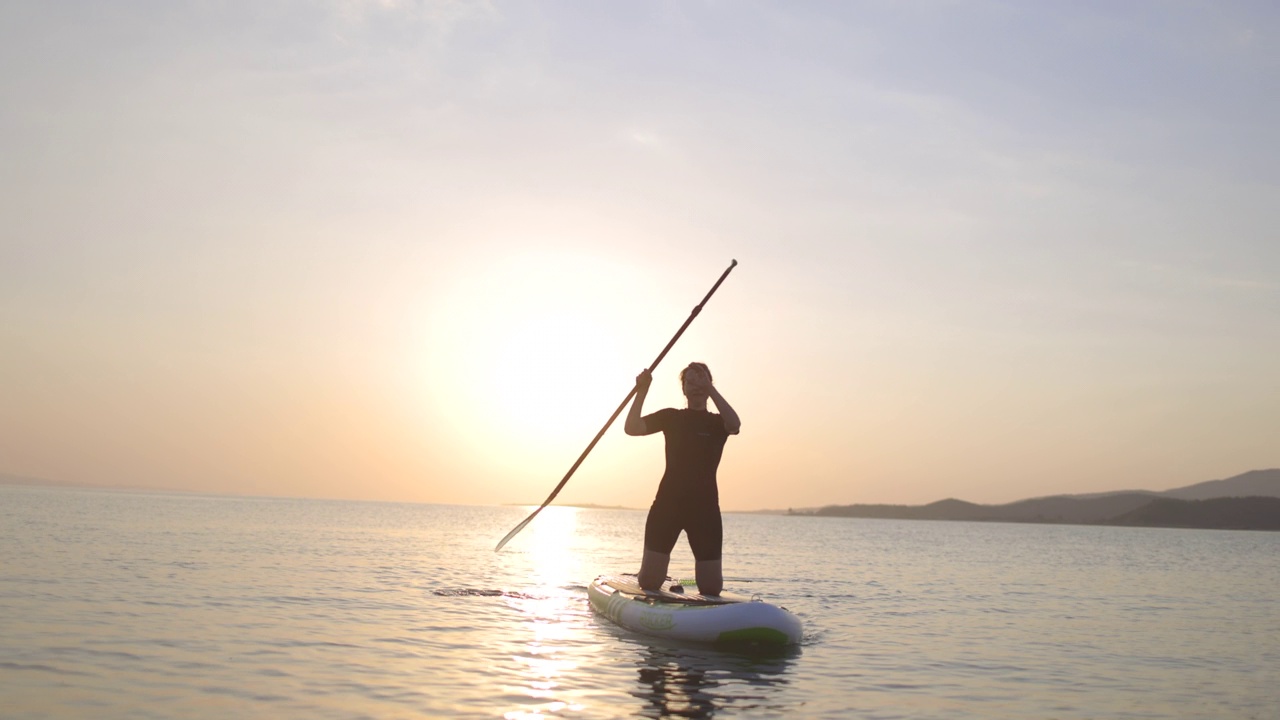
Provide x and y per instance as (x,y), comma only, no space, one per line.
(687,499)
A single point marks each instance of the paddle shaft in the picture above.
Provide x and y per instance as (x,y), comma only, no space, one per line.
(697,309)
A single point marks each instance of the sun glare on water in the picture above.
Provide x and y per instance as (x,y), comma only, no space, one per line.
(551,544)
(542,661)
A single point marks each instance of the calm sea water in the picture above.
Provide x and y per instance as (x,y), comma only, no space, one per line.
(117,605)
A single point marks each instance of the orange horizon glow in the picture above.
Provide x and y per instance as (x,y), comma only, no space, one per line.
(409,252)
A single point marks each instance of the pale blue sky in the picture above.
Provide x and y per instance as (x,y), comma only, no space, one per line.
(989,250)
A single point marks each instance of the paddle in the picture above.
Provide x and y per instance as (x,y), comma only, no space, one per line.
(617,412)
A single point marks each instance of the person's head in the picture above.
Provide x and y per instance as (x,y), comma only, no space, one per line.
(695,380)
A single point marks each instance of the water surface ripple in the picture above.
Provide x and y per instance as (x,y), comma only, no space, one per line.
(138,605)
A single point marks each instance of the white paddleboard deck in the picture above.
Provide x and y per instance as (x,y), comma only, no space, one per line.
(677,613)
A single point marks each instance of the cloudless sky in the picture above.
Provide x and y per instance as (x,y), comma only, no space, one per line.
(419,250)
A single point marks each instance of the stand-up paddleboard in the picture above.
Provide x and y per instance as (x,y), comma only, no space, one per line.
(679,614)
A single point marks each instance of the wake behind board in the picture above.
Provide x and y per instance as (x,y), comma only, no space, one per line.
(680,615)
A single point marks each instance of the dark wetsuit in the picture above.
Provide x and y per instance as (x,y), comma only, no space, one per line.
(688,498)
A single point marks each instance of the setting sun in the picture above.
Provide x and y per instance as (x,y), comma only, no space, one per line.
(535,352)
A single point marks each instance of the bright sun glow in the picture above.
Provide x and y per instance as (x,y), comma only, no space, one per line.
(549,363)
(536,352)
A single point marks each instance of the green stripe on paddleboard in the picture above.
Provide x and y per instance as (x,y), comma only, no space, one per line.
(756,634)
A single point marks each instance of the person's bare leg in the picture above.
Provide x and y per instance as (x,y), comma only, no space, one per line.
(653,569)
(709,575)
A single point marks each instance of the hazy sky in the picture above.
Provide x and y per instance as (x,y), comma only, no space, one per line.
(419,250)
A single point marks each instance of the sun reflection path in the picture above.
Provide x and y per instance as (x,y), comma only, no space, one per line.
(556,615)
(551,544)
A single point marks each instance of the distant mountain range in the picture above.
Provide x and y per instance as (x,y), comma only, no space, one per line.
(1245,502)
(24,480)
(1250,501)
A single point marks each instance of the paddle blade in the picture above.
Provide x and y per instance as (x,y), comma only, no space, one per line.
(516,530)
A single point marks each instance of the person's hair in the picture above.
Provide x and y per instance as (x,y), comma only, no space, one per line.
(701,366)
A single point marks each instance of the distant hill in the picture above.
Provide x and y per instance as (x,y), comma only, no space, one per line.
(1064,508)
(1248,501)
(24,480)
(942,510)
(1224,513)
(44,482)
(1255,483)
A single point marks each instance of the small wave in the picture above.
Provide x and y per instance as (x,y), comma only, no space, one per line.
(476,592)
(37,667)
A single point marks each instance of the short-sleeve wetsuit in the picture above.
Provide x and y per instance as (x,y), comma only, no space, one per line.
(687,498)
